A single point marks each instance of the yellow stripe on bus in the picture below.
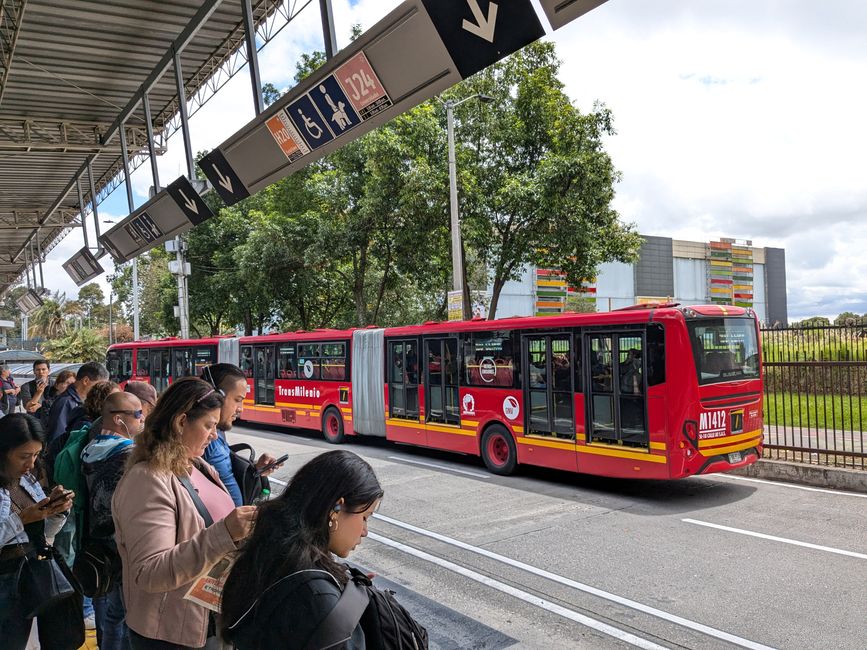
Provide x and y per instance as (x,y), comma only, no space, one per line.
(727,440)
(658,445)
(617,452)
(541,442)
(717,451)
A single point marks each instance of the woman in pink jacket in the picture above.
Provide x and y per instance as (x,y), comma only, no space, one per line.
(174,519)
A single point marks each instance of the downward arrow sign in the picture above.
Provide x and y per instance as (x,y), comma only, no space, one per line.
(483,27)
(191,205)
(225,182)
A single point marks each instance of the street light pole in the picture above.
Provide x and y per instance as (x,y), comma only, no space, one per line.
(457,252)
(457,260)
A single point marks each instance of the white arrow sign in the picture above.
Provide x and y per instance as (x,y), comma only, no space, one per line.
(225,182)
(191,205)
(483,27)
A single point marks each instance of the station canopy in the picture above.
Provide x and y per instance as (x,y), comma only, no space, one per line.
(73,73)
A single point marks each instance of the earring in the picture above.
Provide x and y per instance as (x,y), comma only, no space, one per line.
(333,525)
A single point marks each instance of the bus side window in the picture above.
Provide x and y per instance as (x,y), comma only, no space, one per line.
(655,354)
(142,363)
(247,361)
(126,364)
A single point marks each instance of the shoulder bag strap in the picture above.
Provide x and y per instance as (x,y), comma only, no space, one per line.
(197,500)
(341,621)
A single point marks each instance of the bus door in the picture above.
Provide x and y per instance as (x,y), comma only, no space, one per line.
(263,373)
(547,380)
(160,369)
(616,388)
(442,392)
(402,364)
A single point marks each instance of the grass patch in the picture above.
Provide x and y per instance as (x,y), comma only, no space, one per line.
(816,411)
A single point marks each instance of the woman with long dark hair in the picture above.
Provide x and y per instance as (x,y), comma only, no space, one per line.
(286,579)
(174,519)
(27,517)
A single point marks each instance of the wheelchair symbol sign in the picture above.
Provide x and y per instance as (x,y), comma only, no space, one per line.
(334,105)
(309,122)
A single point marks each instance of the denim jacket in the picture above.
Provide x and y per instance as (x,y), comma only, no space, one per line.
(11,527)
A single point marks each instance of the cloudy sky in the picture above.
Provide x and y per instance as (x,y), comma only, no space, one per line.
(734,118)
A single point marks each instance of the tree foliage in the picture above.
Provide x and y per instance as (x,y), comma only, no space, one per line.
(80,345)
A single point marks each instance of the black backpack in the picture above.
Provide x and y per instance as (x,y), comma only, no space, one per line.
(386,624)
(252,485)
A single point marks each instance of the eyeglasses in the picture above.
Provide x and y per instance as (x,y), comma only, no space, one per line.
(136,414)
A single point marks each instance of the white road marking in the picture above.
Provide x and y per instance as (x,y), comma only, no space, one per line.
(532,599)
(277,481)
(839,493)
(434,465)
(647,609)
(774,538)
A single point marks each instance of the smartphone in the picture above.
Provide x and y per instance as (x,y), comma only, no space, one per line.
(279,461)
(63,496)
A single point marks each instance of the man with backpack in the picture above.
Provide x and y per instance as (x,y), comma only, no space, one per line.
(230,380)
(58,419)
(102,465)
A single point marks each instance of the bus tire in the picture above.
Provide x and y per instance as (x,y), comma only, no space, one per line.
(498,450)
(332,426)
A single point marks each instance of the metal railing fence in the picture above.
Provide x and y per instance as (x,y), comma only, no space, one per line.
(816,394)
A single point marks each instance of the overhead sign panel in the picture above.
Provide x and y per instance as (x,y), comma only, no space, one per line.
(83,267)
(171,212)
(479,33)
(189,201)
(29,302)
(394,66)
(561,12)
(223,178)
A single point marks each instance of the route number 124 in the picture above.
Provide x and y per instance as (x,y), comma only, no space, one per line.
(360,82)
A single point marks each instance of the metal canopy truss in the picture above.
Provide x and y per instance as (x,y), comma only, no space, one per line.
(73,73)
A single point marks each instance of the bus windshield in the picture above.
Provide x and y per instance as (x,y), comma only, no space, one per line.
(725,349)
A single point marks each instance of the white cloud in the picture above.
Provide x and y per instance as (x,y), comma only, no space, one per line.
(738,118)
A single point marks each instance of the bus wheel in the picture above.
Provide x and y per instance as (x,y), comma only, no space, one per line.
(498,450)
(332,426)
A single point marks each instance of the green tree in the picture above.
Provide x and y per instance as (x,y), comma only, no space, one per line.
(49,320)
(157,294)
(91,298)
(848,318)
(80,345)
(9,309)
(537,184)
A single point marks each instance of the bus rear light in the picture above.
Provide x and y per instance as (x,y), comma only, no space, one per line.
(690,432)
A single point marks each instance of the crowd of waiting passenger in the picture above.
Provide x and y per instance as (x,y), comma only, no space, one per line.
(115,503)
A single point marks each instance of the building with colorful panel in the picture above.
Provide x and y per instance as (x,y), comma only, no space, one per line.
(724,272)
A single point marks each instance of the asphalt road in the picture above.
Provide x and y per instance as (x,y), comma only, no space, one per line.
(547,559)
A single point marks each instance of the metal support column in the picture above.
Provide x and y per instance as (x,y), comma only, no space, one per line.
(252,55)
(328,35)
(185,121)
(81,209)
(39,250)
(93,203)
(183,291)
(457,249)
(151,149)
(131,205)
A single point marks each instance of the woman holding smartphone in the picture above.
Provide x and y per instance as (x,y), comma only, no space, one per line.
(174,519)
(27,516)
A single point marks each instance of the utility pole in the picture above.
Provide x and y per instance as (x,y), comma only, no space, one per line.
(457,244)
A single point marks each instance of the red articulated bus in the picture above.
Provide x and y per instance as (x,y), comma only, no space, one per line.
(655,391)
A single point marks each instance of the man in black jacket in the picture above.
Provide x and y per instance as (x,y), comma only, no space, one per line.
(34,394)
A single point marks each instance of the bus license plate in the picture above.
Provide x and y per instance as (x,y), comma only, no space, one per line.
(735,457)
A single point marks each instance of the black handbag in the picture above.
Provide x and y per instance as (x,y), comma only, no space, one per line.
(42,583)
(97,567)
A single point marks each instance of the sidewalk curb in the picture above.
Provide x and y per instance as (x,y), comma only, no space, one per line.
(835,478)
